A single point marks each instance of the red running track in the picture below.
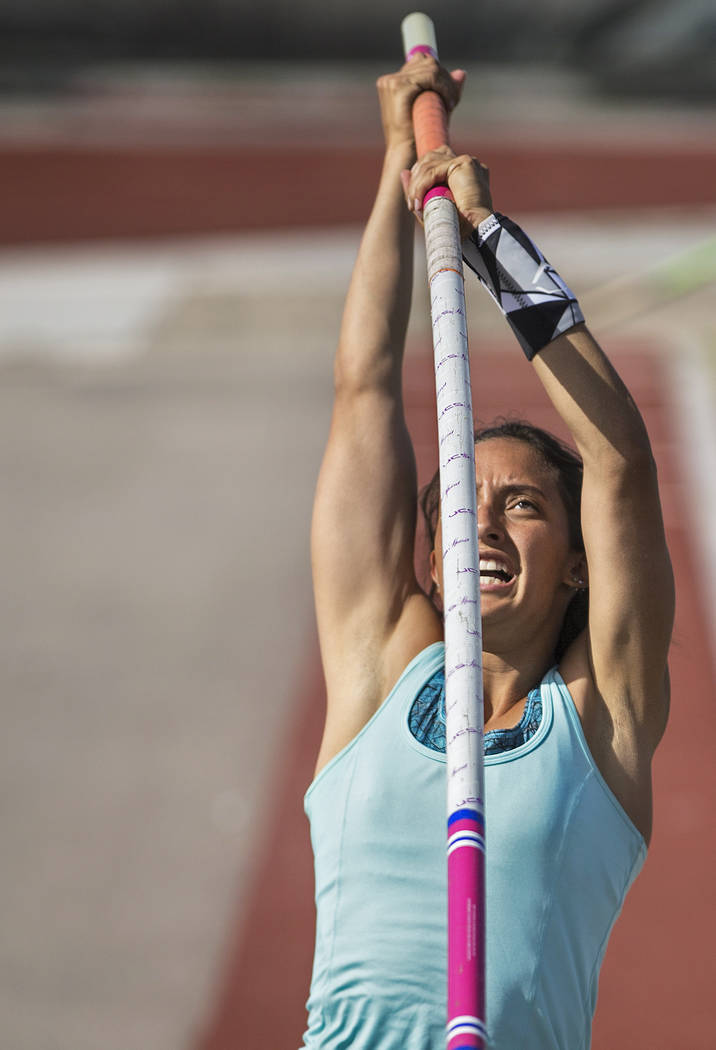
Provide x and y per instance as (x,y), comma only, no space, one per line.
(54,193)
(657,982)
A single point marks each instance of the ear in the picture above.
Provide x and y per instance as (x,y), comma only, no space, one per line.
(578,573)
(434,570)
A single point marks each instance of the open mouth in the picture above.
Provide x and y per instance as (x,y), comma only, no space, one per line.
(493,572)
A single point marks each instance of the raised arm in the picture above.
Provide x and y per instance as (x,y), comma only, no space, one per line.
(364,514)
(617,671)
(618,667)
(630,578)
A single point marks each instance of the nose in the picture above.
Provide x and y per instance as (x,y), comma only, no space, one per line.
(489,526)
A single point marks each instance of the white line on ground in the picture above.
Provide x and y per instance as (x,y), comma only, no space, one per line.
(101,302)
(694,410)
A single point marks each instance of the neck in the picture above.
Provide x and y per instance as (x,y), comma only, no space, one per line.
(508,676)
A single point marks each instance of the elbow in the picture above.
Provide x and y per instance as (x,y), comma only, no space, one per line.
(634,440)
(637,458)
(353,376)
(632,471)
(622,452)
(349,376)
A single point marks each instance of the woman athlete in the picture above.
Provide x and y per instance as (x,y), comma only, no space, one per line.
(572,717)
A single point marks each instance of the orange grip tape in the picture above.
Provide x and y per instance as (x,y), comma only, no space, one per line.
(430,122)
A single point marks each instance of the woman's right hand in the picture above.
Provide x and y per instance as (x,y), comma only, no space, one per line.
(398,91)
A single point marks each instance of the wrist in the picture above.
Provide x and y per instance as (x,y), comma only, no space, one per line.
(401,152)
(475,218)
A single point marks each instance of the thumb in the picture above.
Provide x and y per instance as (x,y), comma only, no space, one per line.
(457,76)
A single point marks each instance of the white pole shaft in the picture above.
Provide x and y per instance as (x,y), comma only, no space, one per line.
(461,584)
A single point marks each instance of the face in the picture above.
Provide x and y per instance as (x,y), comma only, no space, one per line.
(528,571)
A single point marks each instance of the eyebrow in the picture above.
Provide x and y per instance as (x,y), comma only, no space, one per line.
(518,487)
(534,490)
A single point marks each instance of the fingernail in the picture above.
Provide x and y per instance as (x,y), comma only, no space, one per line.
(416,205)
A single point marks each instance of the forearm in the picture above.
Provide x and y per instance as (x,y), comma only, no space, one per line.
(544,315)
(548,323)
(377,308)
(593,401)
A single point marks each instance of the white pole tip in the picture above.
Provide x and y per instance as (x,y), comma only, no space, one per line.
(418,31)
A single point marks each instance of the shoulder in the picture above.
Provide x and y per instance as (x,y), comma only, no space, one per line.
(622,732)
(362,678)
(613,705)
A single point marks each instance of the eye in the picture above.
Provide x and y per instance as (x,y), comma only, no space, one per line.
(524,503)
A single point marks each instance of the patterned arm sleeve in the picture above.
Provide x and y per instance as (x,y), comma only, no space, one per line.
(537,303)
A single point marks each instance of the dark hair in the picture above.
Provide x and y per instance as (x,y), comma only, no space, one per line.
(567,467)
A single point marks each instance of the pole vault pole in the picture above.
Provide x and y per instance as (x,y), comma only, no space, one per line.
(461,580)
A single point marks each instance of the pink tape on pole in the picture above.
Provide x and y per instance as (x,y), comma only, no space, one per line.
(421,49)
(437,191)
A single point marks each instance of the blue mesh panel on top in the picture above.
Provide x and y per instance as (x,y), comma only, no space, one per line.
(427,720)
(427,714)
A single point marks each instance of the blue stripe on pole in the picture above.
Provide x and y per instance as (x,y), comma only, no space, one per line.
(466,814)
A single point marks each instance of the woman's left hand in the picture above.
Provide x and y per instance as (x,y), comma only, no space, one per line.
(467,178)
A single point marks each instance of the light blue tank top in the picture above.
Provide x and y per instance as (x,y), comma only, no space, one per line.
(561,855)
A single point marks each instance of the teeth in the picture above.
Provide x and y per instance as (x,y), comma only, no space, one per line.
(493,566)
(490,567)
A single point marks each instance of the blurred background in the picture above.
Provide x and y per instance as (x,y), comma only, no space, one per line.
(181,192)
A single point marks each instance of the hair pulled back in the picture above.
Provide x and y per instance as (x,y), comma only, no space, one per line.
(567,468)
